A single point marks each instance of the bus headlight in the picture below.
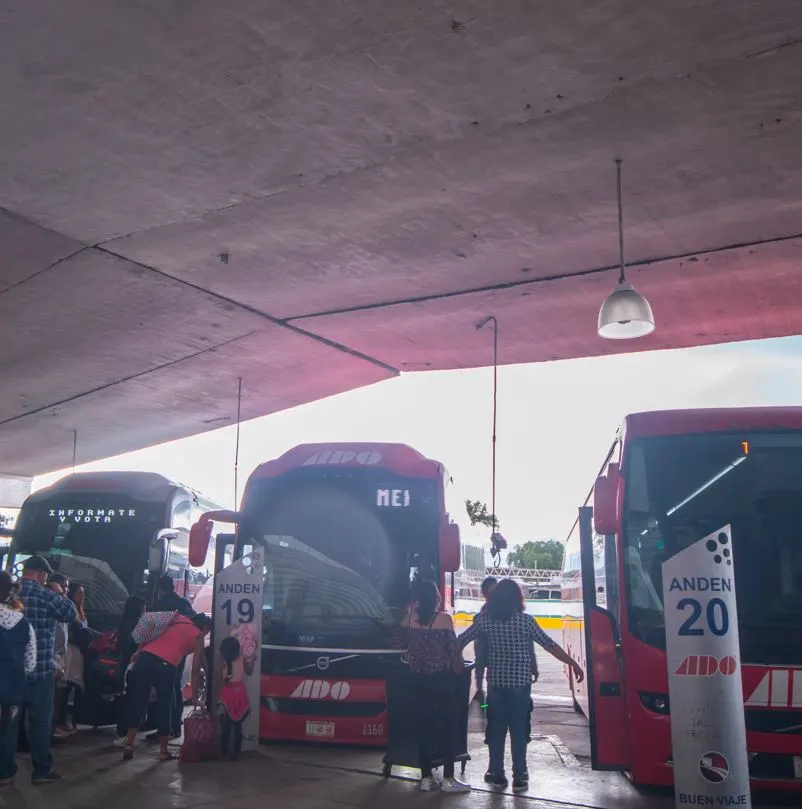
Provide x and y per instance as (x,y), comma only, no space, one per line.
(657,703)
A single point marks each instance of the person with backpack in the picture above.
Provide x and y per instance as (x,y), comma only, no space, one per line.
(171,637)
(17,661)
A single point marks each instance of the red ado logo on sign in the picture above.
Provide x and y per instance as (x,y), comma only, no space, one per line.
(707,666)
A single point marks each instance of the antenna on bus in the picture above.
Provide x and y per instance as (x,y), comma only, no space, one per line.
(236,447)
(74,448)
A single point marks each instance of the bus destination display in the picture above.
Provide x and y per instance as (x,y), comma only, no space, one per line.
(89,514)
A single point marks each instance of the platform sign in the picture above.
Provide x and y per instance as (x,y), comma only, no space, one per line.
(238,613)
(708,733)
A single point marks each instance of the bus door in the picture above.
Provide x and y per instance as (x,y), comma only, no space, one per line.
(224,547)
(223,556)
(609,744)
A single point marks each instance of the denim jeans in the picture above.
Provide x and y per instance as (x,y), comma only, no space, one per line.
(152,672)
(508,709)
(177,705)
(9,719)
(40,725)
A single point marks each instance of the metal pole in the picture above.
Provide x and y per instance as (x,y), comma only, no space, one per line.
(236,447)
(495,411)
(618,171)
(480,325)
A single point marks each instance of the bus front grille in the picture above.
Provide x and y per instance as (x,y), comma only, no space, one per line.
(322,707)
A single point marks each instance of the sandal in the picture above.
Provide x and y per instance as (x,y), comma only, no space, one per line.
(128,751)
(168,756)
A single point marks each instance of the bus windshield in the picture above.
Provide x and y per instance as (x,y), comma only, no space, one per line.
(100,542)
(681,488)
(338,567)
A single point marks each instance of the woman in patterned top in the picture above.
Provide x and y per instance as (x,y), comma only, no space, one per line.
(509,633)
(431,644)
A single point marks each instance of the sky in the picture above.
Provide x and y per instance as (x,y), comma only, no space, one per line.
(556,422)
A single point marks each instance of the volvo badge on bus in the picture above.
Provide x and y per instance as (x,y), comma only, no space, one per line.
(708,732)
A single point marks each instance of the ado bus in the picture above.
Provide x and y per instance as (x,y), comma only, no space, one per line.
(346,529)
(670,479)
(115,533)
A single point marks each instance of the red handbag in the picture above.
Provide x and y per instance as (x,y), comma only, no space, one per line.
(200,738)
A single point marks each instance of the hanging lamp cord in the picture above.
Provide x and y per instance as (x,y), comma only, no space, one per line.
(495,413)
(622,277)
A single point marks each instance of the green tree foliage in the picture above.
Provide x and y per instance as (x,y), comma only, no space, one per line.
(545,554)
(479,515)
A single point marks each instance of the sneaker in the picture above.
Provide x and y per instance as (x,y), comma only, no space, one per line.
(48,778)
(520,784)
(454,785)
(494,780)
(428,784)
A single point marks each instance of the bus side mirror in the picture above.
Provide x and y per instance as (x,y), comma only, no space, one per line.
(158,550)
(450,550)
(201,533)
(605,501)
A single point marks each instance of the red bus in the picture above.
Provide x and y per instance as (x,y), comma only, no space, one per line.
(346,529)
(671,478)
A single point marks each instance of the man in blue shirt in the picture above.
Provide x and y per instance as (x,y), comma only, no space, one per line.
(43,609)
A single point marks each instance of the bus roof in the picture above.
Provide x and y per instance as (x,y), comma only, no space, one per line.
(398,458)
(139,485)
(711,420)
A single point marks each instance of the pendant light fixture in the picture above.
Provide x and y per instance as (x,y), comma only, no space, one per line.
(625,314)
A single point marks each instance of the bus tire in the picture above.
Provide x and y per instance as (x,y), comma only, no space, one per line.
(577,706)
(386,770)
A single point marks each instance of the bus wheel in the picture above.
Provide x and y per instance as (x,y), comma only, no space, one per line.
(386,770)
(577,706)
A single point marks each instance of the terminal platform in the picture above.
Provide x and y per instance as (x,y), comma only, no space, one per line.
(304,777)
(284,777)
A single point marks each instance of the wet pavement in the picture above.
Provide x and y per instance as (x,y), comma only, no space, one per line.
(304,777)
(301,777)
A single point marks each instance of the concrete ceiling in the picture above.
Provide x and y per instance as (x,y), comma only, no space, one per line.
(380,176)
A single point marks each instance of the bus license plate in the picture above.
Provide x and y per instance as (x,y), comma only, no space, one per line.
(320,730)
(797,766)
